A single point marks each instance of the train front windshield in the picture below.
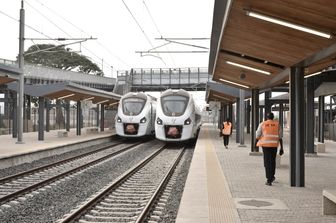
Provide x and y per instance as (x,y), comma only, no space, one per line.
(133,106)
(174,105)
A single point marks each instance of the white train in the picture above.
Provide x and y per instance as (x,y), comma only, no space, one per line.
(136,115)
(177,117)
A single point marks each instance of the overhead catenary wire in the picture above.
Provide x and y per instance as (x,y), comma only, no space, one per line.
(28,26)
(62,30)
(60,16)
(138,24)
(142,30)
(96,61)
(157,28)
(49,20)
(84,32)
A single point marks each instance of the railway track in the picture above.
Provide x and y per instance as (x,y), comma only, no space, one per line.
(132,196)
(17,185)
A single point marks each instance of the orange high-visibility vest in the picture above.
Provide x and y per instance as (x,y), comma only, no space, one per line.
(270,134)
(227,128)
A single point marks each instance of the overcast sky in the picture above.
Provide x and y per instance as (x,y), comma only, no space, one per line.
(119,36)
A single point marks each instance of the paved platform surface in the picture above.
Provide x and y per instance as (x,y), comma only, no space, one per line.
(228,185)
(9,147)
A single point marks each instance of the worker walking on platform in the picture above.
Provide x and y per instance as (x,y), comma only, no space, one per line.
(226,132)
(269,134)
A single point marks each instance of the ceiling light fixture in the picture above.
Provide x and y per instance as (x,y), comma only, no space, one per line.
(247,67)
(102,102)
(115,103)
(313,74)
(90,98)
(234,83)
(310,75)
(288,24)
(66,96)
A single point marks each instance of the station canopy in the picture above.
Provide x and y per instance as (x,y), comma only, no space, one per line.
(255,43)
(8,74)
(69,91)
(223,93)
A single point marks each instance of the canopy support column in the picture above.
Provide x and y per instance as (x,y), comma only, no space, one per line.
(79,118)
(102,117)
(321,119)
(309,116)
(41,119)
(296,89)
(255,119)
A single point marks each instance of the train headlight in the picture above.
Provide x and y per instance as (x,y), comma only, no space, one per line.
(159,121)
(187,121)
(119,119)
(143,120)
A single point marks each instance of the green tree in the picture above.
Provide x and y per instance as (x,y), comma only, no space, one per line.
(62,58)
(50,55)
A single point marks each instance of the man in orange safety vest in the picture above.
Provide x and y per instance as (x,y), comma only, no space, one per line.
(226,132)
(269,135)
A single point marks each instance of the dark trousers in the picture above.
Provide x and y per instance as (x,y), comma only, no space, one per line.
(226,139)
(269,162)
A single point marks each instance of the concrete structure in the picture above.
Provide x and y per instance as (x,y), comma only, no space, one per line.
(12,154)
(228,185)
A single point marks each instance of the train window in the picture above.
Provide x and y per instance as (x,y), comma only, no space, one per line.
(133,106)
(174,105)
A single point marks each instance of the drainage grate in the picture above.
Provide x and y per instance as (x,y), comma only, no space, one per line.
(255,203)
(259,203)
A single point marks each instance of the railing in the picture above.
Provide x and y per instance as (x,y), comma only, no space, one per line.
(35,74)
(165,77)
(330,132)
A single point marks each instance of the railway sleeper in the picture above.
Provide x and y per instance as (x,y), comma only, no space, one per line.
(111,205)
(126,213)
(134,189)
(131,194)
(125,198)
(108,219)
(118,208)
(135,186)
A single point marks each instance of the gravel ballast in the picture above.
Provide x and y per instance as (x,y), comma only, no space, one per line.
(52,203)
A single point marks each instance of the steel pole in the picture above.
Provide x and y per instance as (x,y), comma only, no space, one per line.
(21,77)
(242,118)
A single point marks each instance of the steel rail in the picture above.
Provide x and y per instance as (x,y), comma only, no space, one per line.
(38,169)
(75,215)
(143,215)
(52,179)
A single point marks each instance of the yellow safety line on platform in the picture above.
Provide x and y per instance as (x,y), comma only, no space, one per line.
(221,205)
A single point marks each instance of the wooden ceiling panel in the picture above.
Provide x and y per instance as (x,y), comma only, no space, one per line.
(218,96)
(232,73)
(317,14)
(268,41)
(5,80)
(58,94)
(241,60)
(274,43)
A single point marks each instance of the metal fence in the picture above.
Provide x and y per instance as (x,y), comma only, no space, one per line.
(30,123)
(330,132)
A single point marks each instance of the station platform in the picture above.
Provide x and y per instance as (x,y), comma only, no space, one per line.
(228,185)
(12,153)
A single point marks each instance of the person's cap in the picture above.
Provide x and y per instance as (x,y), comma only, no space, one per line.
(270,116)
